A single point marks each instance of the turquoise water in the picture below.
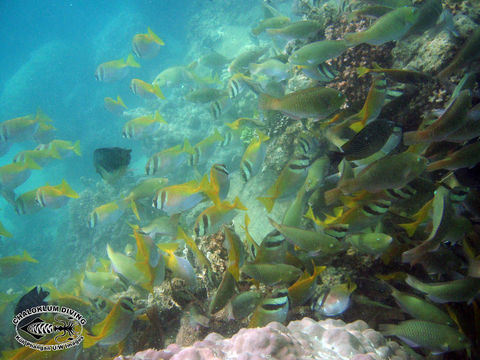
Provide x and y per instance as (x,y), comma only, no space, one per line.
(52,51)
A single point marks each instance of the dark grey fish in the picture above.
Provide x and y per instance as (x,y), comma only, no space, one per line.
(111,163)
(34,297)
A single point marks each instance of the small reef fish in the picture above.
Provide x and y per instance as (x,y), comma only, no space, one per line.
(162,226)
(274,69)
(219,183)
(55,196)
(437,338)
(270,23)
(394,25)
(399,75)
(167,160)
(271,274)
(426,17)
(273,308)
(4,232)
(212,218)
(41,157)
(419,308)
(272,250)
(15,174)
(311,241)
(19,129)
(145,189)
(239,123)
(44,134)
(224,293)
(238,83)
(299,30)
(371,139)
(304,288)
(115,70)
(214,61)
(203,149)
(178,198)
(316,103)
(241,62)
(64,148)
(180,267)
(201,258)
(35,297)
(236,252)
(244,303)
(390,172)
(205,95)
(318,52)
(111,163)
(127,267)
(470,130)
(469,52)
(336,300)
(106,213)
(451,120)
(115,327)
(289,180)
(12,265)
(465,157)
(26,203)
(175,76)
(146,46)
(143,126)
(116,107)
(146,90)
(462,290)
(253,156)
(370,243)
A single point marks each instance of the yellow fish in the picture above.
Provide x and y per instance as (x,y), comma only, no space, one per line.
(253,156)
(15,174)
(18,129)
(106,213)
(143,126)
(115,327)
(147,45)
(41,157)
(27,203)
(180,267)
(146,90)
(167,160)
(116,107)
(145,189)
(175,199)
(211,219)
(12,265)
(55,196)
(4,231)
(44,133)
(64,148)
(115,70)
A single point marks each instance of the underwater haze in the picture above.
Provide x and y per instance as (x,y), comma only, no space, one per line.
(171,169)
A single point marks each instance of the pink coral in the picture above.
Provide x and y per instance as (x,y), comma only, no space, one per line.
(300,340)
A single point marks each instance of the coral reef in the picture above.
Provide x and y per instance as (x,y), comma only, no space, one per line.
(300,340)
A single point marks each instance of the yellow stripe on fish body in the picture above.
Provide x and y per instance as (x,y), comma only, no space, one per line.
(202,259)
(203,149)
(128,267)
(15,174)
(115,70)
(211,219)
(181,197)
(373,104)
(391,26)
(115,327)
(55,196)
(273,308)
(180,267)
(62,147)
(291,177)
(253,156)
(146,90)
(147,45)
(316,103)
(116,107)
(304,288)
(18,129)
(166,160)
(40,157)
(106,213)
(143,126)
